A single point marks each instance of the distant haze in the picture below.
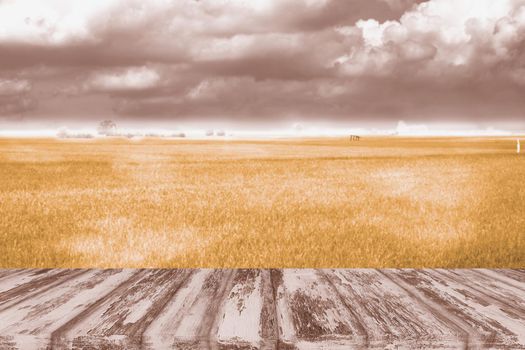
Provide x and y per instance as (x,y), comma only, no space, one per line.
(264,65)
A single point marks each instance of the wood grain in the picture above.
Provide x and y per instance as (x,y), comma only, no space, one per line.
(261,309)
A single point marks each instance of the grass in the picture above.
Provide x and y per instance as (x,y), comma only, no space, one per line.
(379,202)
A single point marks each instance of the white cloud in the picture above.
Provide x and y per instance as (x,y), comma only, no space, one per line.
(411,129)
(10,87)
(51,22)
(441,33)
(372,31)
(138,78)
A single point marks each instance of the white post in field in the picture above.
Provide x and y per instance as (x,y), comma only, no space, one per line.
(518,146)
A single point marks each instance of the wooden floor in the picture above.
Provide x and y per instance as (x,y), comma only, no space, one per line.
(270,309)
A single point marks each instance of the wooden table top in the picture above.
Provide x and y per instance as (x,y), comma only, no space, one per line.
(261,309)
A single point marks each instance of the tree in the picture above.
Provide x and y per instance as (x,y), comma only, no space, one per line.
(62,133)
(107,128)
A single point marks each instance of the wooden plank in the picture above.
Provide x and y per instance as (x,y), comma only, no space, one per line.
(311,311)
(486,323)
(121,319)
(240,317)
(10,272)
(391,316)
(191,318)
(518,275)
(36,283)
(262,309)
(15,278)
(35,319)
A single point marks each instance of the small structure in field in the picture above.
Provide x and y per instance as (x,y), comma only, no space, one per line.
(355,138)
(210,132)
(107,128)
(220,133)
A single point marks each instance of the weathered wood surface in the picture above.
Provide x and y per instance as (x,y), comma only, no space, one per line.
(261,309)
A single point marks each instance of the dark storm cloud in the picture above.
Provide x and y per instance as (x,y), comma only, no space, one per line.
(335,13)
(380,60)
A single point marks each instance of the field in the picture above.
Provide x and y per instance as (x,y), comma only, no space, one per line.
(378,202)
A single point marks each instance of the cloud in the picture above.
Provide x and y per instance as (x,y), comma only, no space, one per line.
(10,87)
(407,129)
(137,78)
(51,23)
(441,37)
(12,106)
(59,32)
(264,61)
(15,98)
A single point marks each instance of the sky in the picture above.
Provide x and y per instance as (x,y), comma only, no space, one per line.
(263,63)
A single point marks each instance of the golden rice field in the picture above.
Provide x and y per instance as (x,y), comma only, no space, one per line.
(378,202)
